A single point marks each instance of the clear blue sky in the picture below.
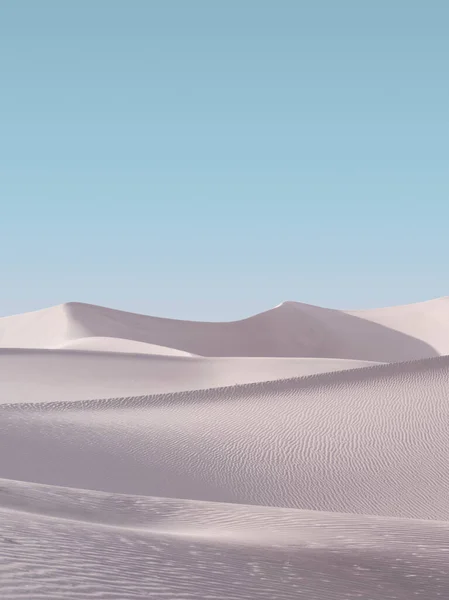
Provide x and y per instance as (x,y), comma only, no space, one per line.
(210,159)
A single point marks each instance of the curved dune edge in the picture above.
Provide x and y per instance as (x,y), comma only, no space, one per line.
(52,375)
(119,345)
(370,371)
(176,515)
(291,329)
(301,453)
(134,547)
(331,442)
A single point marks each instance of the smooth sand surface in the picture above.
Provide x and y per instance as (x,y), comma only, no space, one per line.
(63,375)
(121,345)
(291,329)
(265,458)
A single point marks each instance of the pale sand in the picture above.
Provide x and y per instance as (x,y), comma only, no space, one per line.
(63,543)
(121,345)
(290,329)
(64,375)
(221,483)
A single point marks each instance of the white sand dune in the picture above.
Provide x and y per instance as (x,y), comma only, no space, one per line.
(121,345)
(367,441)
(152,458)
(63,375)
(290,329)
(63,543)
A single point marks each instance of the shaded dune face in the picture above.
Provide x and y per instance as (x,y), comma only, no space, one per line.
(322,443)
(301,453)
(289,330)
(132,547)
(110,546)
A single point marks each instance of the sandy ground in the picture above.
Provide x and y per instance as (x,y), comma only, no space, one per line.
(299,453)
(63,375)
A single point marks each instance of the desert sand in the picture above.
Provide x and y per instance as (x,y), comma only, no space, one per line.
(299,453)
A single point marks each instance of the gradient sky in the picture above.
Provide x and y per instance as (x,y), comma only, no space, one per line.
(208,160)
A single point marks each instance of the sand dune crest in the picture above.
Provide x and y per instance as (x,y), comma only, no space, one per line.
(290,330)
(144,457)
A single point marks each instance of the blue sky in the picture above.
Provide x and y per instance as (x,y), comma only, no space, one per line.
(209,160)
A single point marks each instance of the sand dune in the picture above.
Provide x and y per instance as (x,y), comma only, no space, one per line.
(55,375)
(326,442)
(121,345)
(63,543)
(152,458)
(290,330)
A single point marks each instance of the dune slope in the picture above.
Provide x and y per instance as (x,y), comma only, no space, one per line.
(291,329)
(325,442)
(143,457)
(63,375)
(96,545)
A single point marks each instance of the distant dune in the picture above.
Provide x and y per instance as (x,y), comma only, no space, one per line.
(122,345)
(299,453)
(289,330)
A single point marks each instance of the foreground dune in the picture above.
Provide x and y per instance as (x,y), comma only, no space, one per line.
(62,543)
(153,458)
